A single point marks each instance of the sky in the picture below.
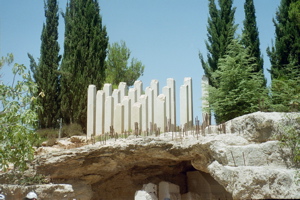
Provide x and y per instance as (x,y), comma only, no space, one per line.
(165,35)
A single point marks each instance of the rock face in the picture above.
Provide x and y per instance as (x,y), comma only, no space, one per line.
(240,162)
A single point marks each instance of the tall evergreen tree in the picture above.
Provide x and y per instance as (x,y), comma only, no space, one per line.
(285,58)
(250,37)
(45,73)
(285,54)
(221,29)
(85,49)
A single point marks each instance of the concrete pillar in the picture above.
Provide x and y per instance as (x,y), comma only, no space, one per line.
(205,104)
(184,105)
(199,185)
(168,190)
(171,84)
(123,89)
(136,115)
(138,85)
(167,92)
(160,112)
(144,101)
(155,86)
(107,88)
(117,96)
(109,113)
(119,118)
(127,113)
(188,81)
(100,110)
(91,111)
(132,94)
(149,93)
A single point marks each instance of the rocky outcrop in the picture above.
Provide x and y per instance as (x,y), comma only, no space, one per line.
(244,159)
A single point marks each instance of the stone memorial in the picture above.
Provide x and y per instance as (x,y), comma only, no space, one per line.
(117,96)
(149,93)
(171,84)
(160,112)
(184,105)
(109,114)
(138,85)
(100,110)
(119,118)
(123,89)
(136,115)
(205,104)
(189,83)
(144,101)
(127,113)
(167,92)
(107,88)
(91,110)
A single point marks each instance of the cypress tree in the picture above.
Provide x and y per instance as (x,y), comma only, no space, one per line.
(221,30)
(285,58)
(250,36)
(285,54)
(45,72)
(85,49)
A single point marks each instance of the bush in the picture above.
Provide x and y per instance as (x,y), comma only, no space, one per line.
(71,130)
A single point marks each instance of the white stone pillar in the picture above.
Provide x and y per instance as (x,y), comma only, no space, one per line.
(144,101)
(138,85)
(119,118)
(123,89)
(91,110)
(109,113)
(167,92)
(127,113)
(184,105)
(171,84)
(117,96)
(107,88)
(160,112)
(149,93)
(155,86)
(132,94)
(100,110)
(188,81)
(205,104)
(136,115)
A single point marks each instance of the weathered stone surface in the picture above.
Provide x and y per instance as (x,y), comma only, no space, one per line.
(118,168)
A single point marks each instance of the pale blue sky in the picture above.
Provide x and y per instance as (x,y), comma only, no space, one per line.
(166,35)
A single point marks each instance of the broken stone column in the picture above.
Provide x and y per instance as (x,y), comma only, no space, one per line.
(138,85)
(136,115)
(127,113)
(160,112)
(107,88)
(171,84)
(144,101)
(168,191)
(167,92)
(188,81)
(91,108)
(109,113)
(117,96)
(149,93)
(205,114)
(123,89)
(184,105)
(100,110)
(119,118)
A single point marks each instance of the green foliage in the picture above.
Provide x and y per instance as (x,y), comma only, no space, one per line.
(117,67)
(48,134)
(237,89)
(250,37)
(71,130)
(45,73)
(85,49)
(18,178)
(18,117)
(221,30)
(290,137)
(294,12)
